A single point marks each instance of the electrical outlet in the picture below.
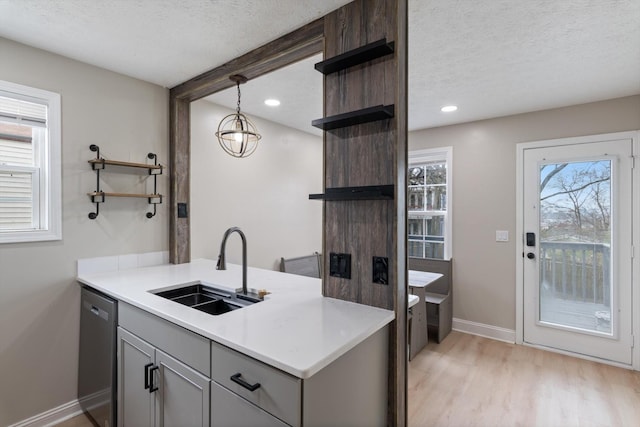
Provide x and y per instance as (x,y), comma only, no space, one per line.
(380,270)
(340,265)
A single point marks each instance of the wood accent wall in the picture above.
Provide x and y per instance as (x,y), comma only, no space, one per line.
(369,154)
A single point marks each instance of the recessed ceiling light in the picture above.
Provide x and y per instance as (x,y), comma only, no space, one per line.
(272,102)
(448,108)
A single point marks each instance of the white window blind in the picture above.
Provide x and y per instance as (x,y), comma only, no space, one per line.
(29,164)
(14,110)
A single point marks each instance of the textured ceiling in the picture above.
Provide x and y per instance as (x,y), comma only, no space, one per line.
(490,57)
(161,41)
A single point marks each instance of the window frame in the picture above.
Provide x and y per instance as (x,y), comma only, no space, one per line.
(420,157)
(47,213)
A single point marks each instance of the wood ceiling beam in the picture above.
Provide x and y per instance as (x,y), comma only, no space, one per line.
(293,47)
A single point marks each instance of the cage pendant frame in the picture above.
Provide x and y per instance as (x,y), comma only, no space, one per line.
(237,135)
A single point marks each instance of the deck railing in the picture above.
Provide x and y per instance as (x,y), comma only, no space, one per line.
(576,271)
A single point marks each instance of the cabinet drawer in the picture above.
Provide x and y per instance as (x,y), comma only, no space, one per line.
(279,393)
(230,410)
(184,345)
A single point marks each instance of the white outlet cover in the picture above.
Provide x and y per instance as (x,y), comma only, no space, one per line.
(502,236)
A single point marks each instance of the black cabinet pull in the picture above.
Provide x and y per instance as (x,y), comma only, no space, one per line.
(147,385)
(238,380)
(152,388)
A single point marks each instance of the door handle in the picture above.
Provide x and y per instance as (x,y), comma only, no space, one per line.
(146,376)
(152,388)
(531,255)
(236,378)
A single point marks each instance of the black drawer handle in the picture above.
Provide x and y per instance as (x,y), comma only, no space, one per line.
(146,376)
(152,388)
(251,387)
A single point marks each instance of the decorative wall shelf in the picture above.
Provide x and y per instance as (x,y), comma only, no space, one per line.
(356,56)
(366,115)
(369,192)
(102,162)
(99,196)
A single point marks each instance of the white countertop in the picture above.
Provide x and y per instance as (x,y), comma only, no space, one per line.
(294,329)
(420,279)
(413,300)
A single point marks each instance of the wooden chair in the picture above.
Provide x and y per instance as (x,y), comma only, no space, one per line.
(310,265)
(439,297)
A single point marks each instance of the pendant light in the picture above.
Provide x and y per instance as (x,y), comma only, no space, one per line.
(237,136)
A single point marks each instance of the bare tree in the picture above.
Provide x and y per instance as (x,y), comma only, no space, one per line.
(582,193)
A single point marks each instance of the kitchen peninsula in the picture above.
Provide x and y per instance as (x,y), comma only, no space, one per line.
(326,359)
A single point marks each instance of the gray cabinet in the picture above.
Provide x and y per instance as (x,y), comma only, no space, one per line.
(272,390)
(230,410)
(157,389)
(135,404)
(164,370)
(183,394)
(350,391)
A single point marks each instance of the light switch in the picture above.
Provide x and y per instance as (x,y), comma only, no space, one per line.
(502,236)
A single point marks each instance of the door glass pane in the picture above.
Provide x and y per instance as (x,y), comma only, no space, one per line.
(575,245)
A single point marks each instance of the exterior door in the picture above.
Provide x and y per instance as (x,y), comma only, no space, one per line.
(577,259)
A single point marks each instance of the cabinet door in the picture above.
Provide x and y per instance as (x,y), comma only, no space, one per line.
(135,403)
(183,399)
(230,410)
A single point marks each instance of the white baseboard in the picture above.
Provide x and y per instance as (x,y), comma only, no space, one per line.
(52,416)
(483,330)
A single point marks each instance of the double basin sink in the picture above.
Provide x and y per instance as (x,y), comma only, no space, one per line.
(207,298)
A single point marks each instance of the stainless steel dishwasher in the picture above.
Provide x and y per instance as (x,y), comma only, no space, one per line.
(97,390)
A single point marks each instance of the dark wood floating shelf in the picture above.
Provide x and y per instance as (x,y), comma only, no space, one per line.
(366,115)
(356,56)
(370,192)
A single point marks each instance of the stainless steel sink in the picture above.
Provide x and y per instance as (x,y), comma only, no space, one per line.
(207,298)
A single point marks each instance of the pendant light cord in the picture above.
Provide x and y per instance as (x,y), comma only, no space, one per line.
(238,109)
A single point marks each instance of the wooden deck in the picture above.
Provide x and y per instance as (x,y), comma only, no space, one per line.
(578,314)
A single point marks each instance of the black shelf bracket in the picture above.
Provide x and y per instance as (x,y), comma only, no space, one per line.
(153,172)
(99,164)
(356,56)
(369,192)
(94,199)
(366,115)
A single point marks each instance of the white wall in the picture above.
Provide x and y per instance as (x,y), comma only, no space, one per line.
(484,195)
(266,194)
(39,298)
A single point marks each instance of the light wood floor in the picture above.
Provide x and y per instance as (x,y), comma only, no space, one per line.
(472,381)
(79,421)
